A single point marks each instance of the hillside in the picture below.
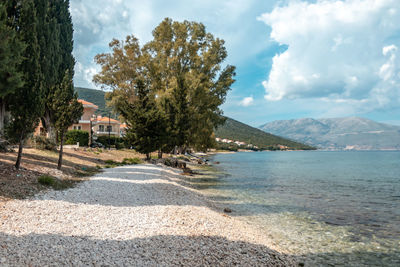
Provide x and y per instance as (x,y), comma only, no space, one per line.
(339,133)
(97,98)
(238,131)
(232,129)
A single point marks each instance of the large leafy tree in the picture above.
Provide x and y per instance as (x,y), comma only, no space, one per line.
(11,49)
(26,103)
(132,97)
(187,60)
(182,65)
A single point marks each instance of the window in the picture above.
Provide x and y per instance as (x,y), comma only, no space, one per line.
(109,128)
(77,127)
(101,128)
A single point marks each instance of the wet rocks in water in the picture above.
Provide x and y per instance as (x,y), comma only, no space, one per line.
(227,210)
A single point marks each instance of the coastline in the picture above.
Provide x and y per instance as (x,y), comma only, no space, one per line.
(138,214)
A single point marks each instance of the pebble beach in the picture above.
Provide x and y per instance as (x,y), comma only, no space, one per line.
(131,215)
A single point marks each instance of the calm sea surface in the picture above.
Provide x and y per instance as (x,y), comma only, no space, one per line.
(338,208)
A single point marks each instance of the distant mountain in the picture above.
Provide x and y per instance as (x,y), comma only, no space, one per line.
(232,129)
(338,133)
(235,130)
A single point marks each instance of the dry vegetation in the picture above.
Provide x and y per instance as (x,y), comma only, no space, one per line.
(77,164)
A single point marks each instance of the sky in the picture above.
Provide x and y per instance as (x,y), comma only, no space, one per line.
(294,58)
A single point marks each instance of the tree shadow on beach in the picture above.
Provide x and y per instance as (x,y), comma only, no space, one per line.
(48,162)
(168,250)
(160,250)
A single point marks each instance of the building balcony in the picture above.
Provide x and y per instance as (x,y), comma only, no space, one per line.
(106,133)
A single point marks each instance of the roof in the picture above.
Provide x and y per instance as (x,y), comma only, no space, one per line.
(106,120)
(124,125)
(87,104)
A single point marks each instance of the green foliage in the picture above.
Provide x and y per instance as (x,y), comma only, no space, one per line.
(168,91)
(67,110)
(55,183)
(74,136)
(132,161)
(127,161)
(55,41)
(11,49)
(238,131)
(146,123)
(229,147)
(43,143)
(96,97)
(118,142)
(46,180)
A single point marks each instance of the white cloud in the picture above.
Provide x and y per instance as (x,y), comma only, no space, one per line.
(247,101)
(96,22)
(337,50)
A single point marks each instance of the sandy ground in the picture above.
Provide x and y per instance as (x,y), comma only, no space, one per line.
(131,215)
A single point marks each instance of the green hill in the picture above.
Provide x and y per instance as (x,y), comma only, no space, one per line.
(232,129)
(97,98)
(237,131)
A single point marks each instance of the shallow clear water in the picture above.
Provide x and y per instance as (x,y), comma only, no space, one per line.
(339,208)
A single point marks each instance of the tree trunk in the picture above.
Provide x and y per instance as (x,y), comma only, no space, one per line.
(160,154)
(2,115)
(20,147)
(148,156)
(49,127)
(60,153)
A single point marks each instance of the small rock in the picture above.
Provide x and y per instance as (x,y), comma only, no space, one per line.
(227,210)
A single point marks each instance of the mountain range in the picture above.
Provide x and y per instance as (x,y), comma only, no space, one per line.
(350,133)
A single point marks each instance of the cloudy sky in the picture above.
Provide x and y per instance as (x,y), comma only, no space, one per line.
(294,59)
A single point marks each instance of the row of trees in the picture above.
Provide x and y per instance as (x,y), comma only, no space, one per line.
(168,91)
(36,70)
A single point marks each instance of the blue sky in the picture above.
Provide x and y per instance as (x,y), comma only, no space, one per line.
(294,59)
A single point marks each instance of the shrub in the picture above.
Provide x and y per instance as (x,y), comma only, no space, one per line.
(43,143)
(74,136)
(117,142)
(119,145)
(46,180)
(131,161)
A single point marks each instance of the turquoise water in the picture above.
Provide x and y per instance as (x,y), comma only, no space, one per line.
(339,208)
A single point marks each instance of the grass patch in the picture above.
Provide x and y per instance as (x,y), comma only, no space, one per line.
(56,184)
(126,161)
(132,161)
(46,180)
(85,172)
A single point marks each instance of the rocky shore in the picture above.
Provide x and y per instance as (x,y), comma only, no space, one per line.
(131,215)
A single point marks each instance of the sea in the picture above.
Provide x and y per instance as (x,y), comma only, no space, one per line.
(328,208)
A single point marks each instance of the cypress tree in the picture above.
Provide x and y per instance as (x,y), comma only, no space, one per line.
(145,121)
(10,57)
(67,110)
(56,45)
(26,104)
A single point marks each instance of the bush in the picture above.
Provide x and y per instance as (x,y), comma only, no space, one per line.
(119,145)
(46,180)
(117,142)
(43,143)
(74,136)
(131,161)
